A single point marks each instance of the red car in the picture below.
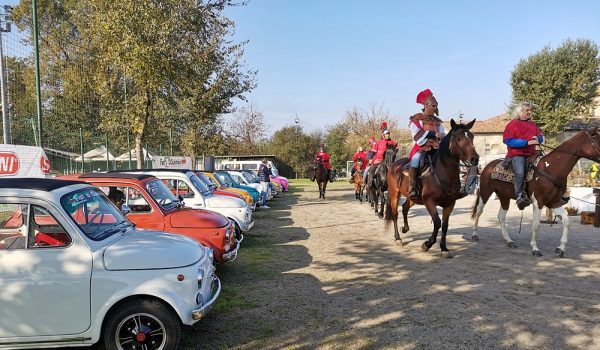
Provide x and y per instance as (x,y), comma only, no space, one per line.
(149,204)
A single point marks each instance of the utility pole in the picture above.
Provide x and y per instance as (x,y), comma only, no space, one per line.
(5,24)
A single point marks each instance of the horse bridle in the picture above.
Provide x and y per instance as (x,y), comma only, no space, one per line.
(596,145)
(461,150)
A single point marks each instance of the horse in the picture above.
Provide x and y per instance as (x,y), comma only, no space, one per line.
(546,188)
(440,184)
(380,179)
(321,176)
(357,179)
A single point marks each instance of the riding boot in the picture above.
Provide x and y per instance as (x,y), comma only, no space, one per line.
(412,183)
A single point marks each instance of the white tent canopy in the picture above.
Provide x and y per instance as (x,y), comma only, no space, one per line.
(96,155)
(125,156)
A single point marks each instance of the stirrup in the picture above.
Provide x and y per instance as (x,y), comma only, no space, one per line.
(413,194)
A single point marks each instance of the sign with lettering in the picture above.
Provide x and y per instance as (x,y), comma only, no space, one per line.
(23,161)
(164,162)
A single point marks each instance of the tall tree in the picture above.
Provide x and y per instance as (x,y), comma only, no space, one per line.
(295,148)
(561,82)
(336,142)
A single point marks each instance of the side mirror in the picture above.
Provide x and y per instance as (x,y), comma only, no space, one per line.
(180,198)
(125,209)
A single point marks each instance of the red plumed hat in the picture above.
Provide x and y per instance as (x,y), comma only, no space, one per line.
(383,126)
(423,95)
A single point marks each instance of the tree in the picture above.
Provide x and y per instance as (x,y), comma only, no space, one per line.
(295,148)
(336,145)
(246,130)
(561,83)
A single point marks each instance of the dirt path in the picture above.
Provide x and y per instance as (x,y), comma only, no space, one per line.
(325,274)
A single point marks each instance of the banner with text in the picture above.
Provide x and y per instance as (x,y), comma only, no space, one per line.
(164,162)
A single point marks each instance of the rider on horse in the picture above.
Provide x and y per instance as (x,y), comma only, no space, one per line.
(381,145)
(521,135)
(427,130)
(359,154)
(325,159)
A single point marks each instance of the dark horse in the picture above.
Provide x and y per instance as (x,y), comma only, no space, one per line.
(440,184)
(546,188)
(380,179)
(358,180)
(321,176)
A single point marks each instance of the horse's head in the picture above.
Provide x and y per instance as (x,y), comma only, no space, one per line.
(461,144)
(390,154)
(359,162)
(591,147)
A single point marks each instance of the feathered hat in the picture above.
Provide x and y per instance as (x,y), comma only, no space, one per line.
(384,128)
(372,140)
(423,95)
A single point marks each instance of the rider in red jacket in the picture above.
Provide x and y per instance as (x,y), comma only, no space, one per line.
(325,159)
(381,145)
(359,154)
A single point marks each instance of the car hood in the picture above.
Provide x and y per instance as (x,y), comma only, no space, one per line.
(217,201)
(186,217)
(141,249)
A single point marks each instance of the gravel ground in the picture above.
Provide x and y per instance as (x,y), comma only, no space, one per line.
(326,274)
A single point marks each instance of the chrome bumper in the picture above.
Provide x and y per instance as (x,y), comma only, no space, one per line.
(201,312)
(232,255)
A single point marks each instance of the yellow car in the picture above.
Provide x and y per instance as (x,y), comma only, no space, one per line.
(215,180)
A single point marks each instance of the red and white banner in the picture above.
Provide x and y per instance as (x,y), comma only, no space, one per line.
(23,161)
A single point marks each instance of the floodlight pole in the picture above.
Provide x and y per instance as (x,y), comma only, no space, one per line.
(5,121)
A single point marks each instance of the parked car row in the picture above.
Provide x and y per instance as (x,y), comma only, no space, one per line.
(125,258)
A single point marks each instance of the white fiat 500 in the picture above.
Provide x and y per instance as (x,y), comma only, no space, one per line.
(75,271)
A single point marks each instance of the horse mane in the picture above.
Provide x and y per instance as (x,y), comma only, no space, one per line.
(444,150)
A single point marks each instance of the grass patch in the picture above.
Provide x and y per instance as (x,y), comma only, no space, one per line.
(232,299)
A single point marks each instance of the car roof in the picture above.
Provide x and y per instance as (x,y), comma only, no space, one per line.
(183,171)
(115,175)
(41,184)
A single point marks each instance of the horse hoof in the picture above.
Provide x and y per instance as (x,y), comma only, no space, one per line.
(424,247)
(559,252)
(475,238)
(512,245)
(446,254)
(399,242)
(536,253)
(405,229)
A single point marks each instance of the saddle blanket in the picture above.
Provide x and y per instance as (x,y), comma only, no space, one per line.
(508,175)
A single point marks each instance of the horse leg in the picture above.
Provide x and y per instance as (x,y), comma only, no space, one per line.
(477,211)
(535,225)
(405,208)
(437,223)
(504,203)
(445,220)
(560,251)
(381,201)
(392,212)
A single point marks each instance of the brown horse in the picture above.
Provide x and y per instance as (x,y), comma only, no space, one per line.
(358,180)
(321,176)
(548,185)
(440,184)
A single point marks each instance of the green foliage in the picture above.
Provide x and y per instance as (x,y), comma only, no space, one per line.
(148,69)
(561,83)
(336,142)
(295,148)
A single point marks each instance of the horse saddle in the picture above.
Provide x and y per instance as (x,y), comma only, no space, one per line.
(424,166)
(503,173)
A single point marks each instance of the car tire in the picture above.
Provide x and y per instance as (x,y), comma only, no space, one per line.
(153,316)
(238,231)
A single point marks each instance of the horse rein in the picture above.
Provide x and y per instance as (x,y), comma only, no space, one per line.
(596,145)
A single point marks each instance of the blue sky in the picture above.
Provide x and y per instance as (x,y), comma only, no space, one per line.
(319,59)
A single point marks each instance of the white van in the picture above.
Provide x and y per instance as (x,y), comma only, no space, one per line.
(246,165)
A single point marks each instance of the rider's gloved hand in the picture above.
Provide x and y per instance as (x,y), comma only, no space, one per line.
(431,135)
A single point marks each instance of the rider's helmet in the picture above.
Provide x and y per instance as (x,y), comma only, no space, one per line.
(427,99)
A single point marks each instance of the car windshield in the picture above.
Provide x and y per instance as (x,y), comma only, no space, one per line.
(250,176)
(208,182)
(200,186)
(161,194)
(94,213)
(227,179)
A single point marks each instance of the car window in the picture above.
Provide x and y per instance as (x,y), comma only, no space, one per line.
(210,183)
(45,230)
(93,212)
(13,231)
(200,186)
(163,195)
(135,200)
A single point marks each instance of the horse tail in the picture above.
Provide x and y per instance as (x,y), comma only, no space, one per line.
(388,210)
(474,209)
